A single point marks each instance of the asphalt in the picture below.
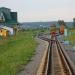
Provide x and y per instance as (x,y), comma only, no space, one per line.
(32,67)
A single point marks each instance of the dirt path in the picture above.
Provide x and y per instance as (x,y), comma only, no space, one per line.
(70,52)
(32,66)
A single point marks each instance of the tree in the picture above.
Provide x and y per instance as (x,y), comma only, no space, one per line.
(61,22)
(74,22)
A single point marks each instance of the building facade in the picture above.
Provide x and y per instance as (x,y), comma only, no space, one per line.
(7,17)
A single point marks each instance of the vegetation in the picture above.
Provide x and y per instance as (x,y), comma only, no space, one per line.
(61,22)
(74,22)
(71,36)
(15,52)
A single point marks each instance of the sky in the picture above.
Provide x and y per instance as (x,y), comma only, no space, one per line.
(41,10)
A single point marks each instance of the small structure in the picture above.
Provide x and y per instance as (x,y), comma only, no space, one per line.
(6,31)
(61,30)
(53,30)
(65,32)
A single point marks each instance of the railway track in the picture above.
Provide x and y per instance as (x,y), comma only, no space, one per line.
(57,61)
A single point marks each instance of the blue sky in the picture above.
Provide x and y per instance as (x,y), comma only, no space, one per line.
(41,10)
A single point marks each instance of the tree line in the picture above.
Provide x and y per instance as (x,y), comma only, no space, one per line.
(62,22)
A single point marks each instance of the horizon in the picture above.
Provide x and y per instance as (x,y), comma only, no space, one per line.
(42,21)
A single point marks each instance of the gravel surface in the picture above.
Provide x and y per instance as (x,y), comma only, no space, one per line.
(70,52)
(71,55)
(32,66)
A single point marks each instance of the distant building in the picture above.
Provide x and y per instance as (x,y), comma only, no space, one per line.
(6,31)
(7,17)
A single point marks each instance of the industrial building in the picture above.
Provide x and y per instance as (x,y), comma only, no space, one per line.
(7,17)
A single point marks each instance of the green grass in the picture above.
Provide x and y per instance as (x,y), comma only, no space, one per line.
(71,36)
(15,52)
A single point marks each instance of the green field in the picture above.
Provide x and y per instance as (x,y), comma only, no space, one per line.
(15,52)
(71,36)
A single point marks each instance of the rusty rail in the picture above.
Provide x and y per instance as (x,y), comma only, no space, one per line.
(56,61)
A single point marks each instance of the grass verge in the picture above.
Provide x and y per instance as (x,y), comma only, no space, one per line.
(16,52)
(71,36)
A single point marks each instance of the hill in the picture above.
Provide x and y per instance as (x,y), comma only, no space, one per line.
(35,25)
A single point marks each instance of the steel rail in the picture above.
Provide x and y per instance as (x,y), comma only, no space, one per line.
(57,61)
(48,66)
(69,63)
